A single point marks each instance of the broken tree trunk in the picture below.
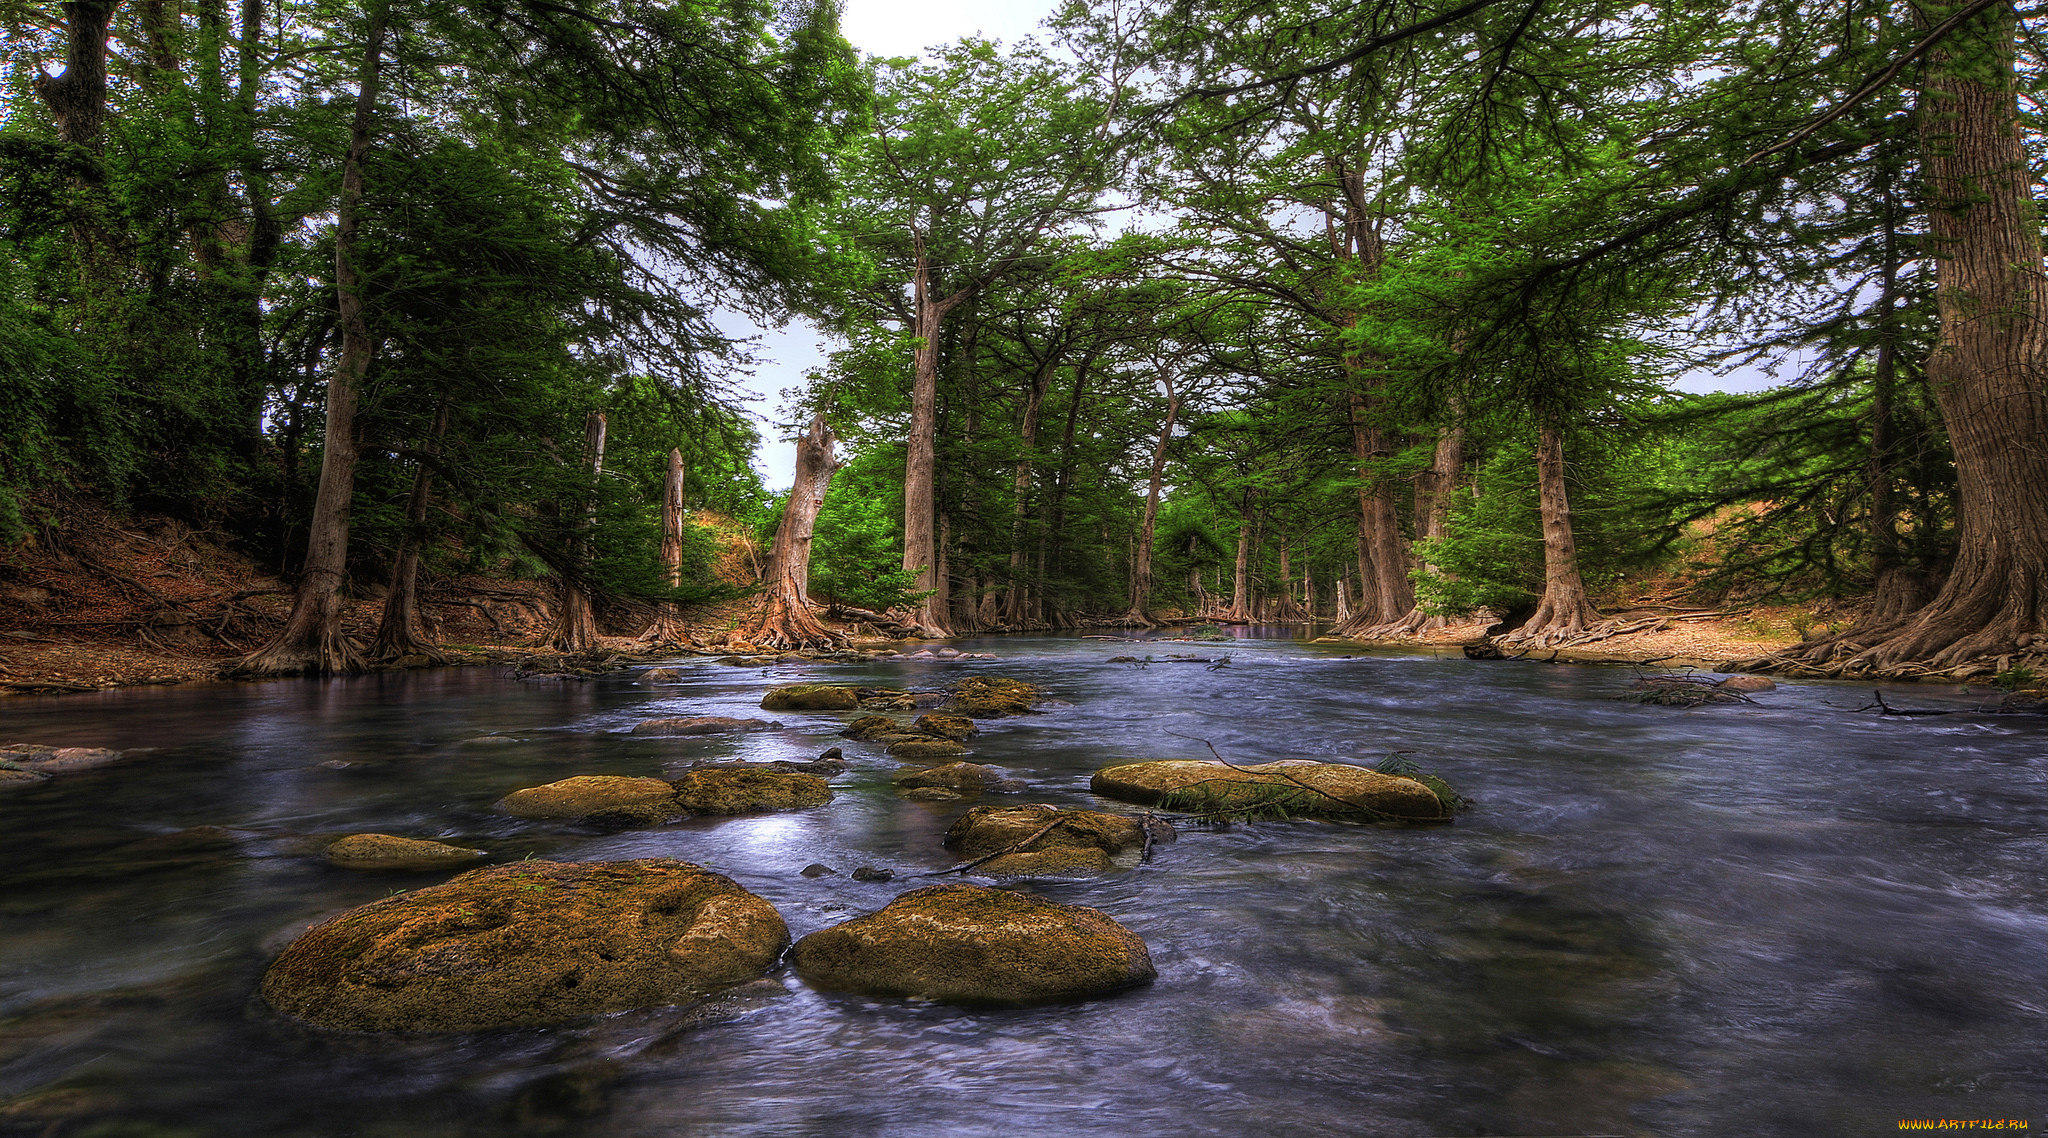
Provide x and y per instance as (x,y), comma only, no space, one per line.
(784,619)
(668,626)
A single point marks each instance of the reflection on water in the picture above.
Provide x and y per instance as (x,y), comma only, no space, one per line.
(1784,919)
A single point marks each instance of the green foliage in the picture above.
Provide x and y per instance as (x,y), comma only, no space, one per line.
(857,547)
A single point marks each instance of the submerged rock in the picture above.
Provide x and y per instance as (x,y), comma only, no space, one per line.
(41,759)
(13,778)
(703,725)
(1291,786)
(661,676)
(749,790)
(1748,684)
(1053,841)
(811,697)
(969,944)
(929,794)
(384,851)
(990,697)
(610,799)
(533,942)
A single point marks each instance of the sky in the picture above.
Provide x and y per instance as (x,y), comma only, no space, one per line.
(885,28)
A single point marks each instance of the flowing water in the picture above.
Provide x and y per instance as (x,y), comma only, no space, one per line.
(1782,919)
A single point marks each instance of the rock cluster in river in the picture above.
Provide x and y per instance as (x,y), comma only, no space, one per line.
(703,725)
(970,944)
(1291,786)
(530,943)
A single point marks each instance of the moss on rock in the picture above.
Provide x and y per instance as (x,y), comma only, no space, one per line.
(956,727)
(593,795)
(703,725)
(969,944)
(811,697)
(990,697)
(385,851)
(749,790)
(1289,787)
(1078,841)
(525,944)
(925,747)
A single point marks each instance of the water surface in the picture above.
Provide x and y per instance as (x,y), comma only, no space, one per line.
(1782,919)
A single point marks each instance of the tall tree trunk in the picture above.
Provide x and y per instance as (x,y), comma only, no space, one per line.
(312,639)
(1240,584)
(668,626)
(919,553)
(1343,599)
(78,96)
(1564,612)
(1989,371)
(575,625)
(1384,592)
(784,619)
(1027,434)
(1141,565)
(1433,490)
(1052,533)
(401,632)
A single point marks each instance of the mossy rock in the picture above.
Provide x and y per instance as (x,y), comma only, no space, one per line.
(956,727)
(990,697)
(385,851)
(703,725)
(955,776)
(968,944)
(885,699)
(811,697)
(1288,787)
(525,944)
(14,779)
(870,726)
(749,790)
(606,797)
(924,747)
(1082,841)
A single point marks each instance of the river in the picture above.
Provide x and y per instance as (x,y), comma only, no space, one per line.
(1782,919)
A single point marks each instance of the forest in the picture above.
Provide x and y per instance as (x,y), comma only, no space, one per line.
(1370,314)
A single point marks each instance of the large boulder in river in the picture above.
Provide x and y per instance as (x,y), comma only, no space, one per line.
(702,725)
(1290,786)
(811,697)
(385,851)
(990,697)
(613,798)
(533,942)
(968,944)
(749,790)
(1045,840)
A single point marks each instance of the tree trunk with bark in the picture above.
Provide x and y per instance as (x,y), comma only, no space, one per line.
(920,554)
(1027,435)
(1989,370)
(1140,613)
(575,624)
(1564,613)
(1433,490)
(1384,593)
(312,640)
(78,96)
(784,619)
(402,632)
(668,626)
(1240,582)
